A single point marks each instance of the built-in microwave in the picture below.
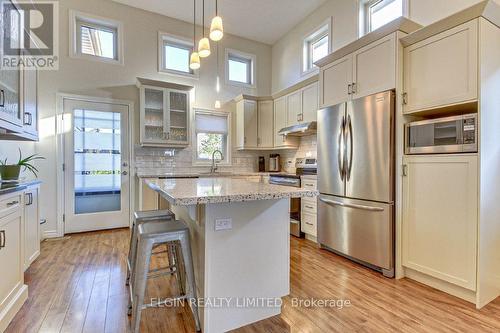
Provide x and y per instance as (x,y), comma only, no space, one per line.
(457,134)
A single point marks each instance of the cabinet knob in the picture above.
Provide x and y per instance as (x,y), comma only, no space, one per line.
(2,98)
(2,239)
(349,89)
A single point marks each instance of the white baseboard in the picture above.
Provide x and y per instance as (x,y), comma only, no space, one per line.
(13,307)
(50,234)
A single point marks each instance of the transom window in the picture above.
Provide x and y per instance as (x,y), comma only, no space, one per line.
(212,134)
(240,68)
(96,38)
(316,46)
(174,54)
(377,13)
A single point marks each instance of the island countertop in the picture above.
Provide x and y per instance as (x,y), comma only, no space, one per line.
(185,192)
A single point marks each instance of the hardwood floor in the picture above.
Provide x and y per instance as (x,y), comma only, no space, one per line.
(78,285)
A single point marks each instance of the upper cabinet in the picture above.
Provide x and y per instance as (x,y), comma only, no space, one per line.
(294,108)
(19,104)
(366,71)
(280,121)
(265,131)
(302,105)
(254,124)
(442,70)
(164,116)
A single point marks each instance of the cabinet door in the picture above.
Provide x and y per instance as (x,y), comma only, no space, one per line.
(246,124)
(154,123)
(442,70)
(31,227)
(440,217)
(30,102)
(266,124)
(310,103)
(11,259)
(177,117)
(280,121)
(374,67)
(335,79)
(294,108)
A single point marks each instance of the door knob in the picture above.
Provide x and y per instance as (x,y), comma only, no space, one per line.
(125,164)
(124,173)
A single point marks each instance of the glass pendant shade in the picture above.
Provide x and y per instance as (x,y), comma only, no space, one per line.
(204,47)
(216,29)
(194,63)
(217,104)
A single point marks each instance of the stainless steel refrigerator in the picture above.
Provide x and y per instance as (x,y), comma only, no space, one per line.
(356,180)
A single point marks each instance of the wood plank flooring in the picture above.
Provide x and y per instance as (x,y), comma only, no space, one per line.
(78,285)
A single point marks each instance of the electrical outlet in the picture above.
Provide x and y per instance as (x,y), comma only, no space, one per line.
(223,224)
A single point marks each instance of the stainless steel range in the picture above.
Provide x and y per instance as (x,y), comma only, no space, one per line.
(303,166)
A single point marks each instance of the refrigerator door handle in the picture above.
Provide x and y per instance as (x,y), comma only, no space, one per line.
(341,151)
(346,205)
(350,147)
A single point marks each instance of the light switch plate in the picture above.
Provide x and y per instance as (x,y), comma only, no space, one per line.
(223,224)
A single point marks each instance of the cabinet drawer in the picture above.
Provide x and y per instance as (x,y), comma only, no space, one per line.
(310,184)
(9,204)
(308,224)
(309,206)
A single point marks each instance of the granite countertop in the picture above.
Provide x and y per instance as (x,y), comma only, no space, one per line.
(205,174)
(6,188)
(185,192)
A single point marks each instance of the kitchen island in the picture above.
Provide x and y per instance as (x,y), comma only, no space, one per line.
(240,232)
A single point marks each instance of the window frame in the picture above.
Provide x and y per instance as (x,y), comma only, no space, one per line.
(323,30)
(186,43)
(228,156)
(251,58)
(78,19)
(365,17)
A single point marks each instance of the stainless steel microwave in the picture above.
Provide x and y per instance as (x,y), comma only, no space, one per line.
(457,134)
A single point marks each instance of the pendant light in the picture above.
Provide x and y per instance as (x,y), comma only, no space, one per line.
(216,28)
(204,44)
(194,62)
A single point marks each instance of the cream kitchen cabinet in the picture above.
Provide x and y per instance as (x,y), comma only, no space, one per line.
(254,124)
(440,217)
(164,114)
(442,70)
(31,225)
(30,104)
(309,209)
(280,122)
(294,108)
(310,103)
(13,292)
(369,70)
(265,130)
(247,123)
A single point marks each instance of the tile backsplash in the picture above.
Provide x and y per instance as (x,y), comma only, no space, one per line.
(152,161)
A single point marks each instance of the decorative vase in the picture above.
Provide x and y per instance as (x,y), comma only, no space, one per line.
(10,172)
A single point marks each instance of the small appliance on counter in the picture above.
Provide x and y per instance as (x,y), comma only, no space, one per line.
(262,164)
(274,163)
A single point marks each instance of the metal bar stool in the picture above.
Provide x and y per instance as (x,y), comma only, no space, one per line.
(149,236)
(139,218)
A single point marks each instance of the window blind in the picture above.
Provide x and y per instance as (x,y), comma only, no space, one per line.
(209,123)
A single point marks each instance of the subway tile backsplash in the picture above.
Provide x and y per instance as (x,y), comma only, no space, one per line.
(152,161)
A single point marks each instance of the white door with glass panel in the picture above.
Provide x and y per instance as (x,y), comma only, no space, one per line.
(96,154)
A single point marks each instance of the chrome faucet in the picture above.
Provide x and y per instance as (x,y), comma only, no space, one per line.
(214,167)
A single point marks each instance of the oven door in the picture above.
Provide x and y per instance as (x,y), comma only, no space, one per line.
(435,136)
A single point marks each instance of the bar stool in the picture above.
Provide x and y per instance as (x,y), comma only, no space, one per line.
(149,236)
(139,218)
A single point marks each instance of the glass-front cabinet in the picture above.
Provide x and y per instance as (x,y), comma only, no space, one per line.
(164,116)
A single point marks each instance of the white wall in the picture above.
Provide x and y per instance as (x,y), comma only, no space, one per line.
(10,150)
(115,81)
(286,53)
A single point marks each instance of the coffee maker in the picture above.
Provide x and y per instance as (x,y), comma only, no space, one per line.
(274,163)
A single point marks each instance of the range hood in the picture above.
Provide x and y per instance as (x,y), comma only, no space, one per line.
(300,129)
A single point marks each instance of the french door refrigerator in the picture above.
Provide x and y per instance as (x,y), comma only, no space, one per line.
(356,180)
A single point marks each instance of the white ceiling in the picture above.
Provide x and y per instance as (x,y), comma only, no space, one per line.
(261,20)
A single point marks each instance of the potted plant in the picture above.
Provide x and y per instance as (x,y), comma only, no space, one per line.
(12,171)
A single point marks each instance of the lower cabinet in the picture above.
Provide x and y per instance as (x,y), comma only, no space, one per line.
(309,210)
(13,293)
(31,226)
(440,217)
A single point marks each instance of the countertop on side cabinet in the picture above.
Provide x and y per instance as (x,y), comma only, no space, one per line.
(206,175)
(6,188)
(185,192)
